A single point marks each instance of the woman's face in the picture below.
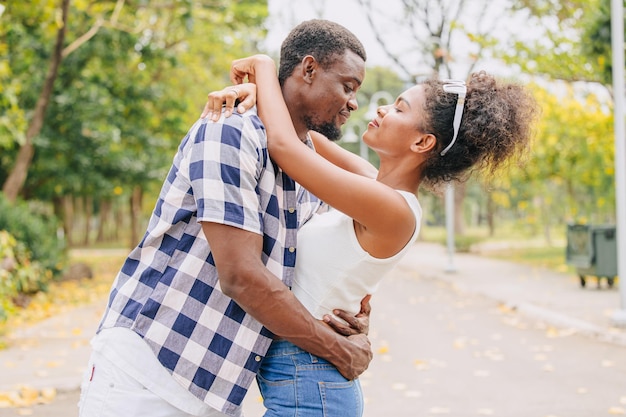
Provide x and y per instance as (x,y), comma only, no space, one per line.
(397,125)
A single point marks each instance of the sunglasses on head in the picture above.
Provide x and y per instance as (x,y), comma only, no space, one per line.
(455,87)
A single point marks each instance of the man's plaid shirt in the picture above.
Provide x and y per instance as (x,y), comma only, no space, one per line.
(167,290)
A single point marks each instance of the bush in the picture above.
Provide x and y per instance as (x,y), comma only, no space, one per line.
(462,243)
(18,274)
(36,231)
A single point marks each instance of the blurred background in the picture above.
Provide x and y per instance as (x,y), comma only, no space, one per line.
(95,97)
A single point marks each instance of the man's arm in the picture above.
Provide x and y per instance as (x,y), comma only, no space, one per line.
(244,278)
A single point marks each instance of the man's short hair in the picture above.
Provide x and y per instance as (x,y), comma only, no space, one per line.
(325,40)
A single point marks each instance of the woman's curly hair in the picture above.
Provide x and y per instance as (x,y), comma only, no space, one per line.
(497,124)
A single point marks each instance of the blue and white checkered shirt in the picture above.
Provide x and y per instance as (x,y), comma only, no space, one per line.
(168,291)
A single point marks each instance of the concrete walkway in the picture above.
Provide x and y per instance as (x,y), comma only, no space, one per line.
(52,354)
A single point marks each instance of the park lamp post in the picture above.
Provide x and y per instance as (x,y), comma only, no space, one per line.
(351,137)
(617,43)
(354,131)
(372,109)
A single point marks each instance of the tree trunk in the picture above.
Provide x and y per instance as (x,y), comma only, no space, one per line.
(88,207)
(15,181)
(120,214)
(68,219)
(57,204)
(491,208)
(105,215)
(79,218)
(460,189)
(135,214)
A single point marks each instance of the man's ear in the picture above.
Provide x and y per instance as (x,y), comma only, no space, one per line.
(309,68)
(424,143)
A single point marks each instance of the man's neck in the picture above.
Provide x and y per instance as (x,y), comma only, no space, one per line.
(293,105)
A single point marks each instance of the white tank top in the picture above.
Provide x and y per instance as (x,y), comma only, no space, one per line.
(333,270)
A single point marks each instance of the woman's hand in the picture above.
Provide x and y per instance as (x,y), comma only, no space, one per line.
(244,94)
(351,325)
(244,68)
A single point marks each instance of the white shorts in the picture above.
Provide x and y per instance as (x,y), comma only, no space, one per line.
(108,391)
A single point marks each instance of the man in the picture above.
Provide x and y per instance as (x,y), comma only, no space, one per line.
(175,340)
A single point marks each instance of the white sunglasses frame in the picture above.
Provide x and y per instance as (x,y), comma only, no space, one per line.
(459,88)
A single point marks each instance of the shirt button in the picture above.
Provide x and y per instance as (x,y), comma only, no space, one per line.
(257,358)
(292,249)
(291,209)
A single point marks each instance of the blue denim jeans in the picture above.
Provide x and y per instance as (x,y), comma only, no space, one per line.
(295,383)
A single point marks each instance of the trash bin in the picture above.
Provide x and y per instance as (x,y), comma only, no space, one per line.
(593,251)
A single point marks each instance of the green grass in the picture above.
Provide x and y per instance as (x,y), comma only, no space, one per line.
(544,257)
(511,244)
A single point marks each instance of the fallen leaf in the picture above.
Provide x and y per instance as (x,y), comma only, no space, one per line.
(48,394)
(607,364)
(459,343)
(504,308)
(552,332)
(53,364)
(29,395)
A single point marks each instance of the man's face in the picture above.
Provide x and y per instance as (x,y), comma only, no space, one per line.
(333,95)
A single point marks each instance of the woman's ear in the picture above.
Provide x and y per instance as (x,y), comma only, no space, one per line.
(424,143)
(309,67)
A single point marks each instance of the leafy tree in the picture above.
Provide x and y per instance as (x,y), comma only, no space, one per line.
(569,175)
(571,40)
(597,40)
(132,79)
(446,38)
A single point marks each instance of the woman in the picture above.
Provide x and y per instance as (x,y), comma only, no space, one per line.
(434,132)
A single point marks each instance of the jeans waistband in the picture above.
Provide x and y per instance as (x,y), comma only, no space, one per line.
(283,347)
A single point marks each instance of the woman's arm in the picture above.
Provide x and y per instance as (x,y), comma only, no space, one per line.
(377,207)
(341,157)
(244,95)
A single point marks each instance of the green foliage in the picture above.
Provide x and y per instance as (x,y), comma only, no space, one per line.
(572,42)
(569,175)
(37,232)
(124,97)
(597,36)
(18,273)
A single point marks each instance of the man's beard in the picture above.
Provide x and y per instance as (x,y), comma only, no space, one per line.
(330,130)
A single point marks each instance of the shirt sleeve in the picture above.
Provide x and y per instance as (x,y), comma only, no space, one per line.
(226,160)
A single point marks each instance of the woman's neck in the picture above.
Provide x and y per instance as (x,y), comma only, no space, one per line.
(402,176)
